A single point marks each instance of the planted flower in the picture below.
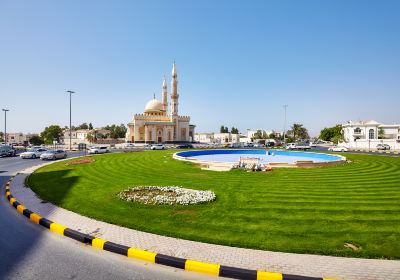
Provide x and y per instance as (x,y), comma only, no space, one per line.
(169,195)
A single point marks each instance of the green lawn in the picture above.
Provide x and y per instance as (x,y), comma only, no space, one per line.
(292,210)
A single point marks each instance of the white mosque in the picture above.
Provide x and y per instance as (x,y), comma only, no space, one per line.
(159,123)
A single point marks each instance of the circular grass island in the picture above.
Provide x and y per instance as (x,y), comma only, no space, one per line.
(346,210)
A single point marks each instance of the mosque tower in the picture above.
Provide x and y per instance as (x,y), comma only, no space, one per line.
(164,96)
(174,92)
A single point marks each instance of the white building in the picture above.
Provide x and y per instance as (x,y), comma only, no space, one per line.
(368,134)
(160,122)
(219,138)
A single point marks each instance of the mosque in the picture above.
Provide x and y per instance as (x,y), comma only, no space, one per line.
(160,123)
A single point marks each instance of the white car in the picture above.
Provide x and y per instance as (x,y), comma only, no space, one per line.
(98,150)
(157,147)
(338,149)
(33,153)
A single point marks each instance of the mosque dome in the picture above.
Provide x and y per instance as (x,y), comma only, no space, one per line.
(153,106)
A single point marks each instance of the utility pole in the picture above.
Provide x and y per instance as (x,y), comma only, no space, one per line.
(5,125)
(284,126)
(70,118)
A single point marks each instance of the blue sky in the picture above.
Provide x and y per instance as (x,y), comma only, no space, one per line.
(238,62)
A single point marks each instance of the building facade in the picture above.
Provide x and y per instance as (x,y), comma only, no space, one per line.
(368,134)
(160,122)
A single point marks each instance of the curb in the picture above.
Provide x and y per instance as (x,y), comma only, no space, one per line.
(376,151)
(186,264)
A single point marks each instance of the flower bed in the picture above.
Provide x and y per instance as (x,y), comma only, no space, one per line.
(169,195)
(80,161)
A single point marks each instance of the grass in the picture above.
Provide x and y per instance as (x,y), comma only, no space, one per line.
(292,210)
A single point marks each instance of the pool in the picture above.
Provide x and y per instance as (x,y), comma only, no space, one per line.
(279,158)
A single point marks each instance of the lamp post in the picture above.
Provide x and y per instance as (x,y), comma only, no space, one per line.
(70,114)
(5,125)
(284,125)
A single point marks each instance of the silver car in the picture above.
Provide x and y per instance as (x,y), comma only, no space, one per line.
(33,153)
(53,155)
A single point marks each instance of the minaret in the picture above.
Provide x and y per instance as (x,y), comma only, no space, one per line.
(174,92)
(164,96)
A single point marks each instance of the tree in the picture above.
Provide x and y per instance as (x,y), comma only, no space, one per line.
(90,126)
(334,134)
(272,135)
(116,131)
(381,133)
(51,133)
(297,132)
(36,140)
(223,129)
(1,137)
(83,126)
(234,130)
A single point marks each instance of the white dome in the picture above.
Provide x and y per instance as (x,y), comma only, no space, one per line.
(153,106)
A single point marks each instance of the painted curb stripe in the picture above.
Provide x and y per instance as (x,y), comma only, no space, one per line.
(237,273)
(264,275)
(116,248)
(298,277)
(78,236)
(44,222)
(202,267)
(142,255)
(57,228)
(191,265)
(170,261)
(98,243)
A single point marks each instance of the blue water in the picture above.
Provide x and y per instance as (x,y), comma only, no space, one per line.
(265,156)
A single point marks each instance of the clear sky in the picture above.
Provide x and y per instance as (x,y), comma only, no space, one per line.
(238,62)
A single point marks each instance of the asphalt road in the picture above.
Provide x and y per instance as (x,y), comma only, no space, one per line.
(29,251)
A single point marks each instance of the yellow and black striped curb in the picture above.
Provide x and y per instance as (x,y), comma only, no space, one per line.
(191,265)
(376,151)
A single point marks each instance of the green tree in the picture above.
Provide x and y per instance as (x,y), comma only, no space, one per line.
(298,132)
(36,140)
(272,136)
(1,137)
(90,126)
(223,129)
(116,131)
(51,133)
(83,126)
(334,134)
(234,130)
(258,135)
(381,133)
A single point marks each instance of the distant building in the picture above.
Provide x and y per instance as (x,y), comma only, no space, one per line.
(19,138)
(218,138)
(368,134)
(86,136)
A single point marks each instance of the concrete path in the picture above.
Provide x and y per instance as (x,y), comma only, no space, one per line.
(300,264)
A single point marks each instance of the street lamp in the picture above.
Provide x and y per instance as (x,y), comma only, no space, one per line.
(70,114)
(284,126)
(5,125)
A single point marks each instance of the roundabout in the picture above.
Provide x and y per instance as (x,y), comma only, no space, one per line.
(315,211)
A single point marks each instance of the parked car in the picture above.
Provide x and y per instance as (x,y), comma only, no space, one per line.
(129,145)
(53,154)
(338,149)
(157,147)
(382,147)
(33,153)
(98,150)
(7,151)
(294,146)
(185,146)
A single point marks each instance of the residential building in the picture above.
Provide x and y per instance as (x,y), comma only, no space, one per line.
(368,134)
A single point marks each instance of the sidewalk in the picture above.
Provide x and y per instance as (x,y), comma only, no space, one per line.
(300,264)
